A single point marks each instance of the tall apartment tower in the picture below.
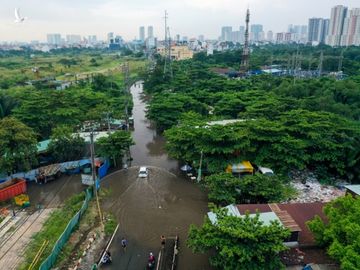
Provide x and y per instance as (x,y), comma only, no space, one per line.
(142,33)
(255,32)
(351,30)
(336,26)
(150,32)
(226,32)
(317,30)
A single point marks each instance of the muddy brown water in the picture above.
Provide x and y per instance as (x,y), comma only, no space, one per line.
(164,204)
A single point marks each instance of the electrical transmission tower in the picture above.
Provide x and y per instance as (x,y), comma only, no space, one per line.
(167,65)
(244,68)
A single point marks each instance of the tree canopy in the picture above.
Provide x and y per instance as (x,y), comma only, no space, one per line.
(224,188)
(340,234)
(17,146)
(239,243)
(115,145)
(65,146)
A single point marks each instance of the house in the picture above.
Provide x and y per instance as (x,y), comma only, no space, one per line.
(292,216)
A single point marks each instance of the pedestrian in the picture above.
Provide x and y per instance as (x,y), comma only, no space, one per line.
(124,243)
(162,239)
(14,213)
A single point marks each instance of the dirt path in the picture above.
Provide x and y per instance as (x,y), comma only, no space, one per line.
(11,252)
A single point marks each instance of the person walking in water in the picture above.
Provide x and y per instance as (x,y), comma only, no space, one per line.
(124,243)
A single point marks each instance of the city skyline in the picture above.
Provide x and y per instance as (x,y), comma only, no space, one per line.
(187,18)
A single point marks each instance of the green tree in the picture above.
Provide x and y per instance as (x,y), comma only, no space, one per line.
(17,146)
(115,145)
(224,188)
(239,243)
(340,234)
(66,146)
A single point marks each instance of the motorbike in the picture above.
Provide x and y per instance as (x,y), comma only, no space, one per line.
(150,265)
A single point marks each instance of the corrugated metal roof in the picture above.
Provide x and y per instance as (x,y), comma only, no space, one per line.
(43,146)
(354,188)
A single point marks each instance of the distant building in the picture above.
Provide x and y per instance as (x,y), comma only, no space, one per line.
(336,25)
(110,37)
(210,49)
(226,33)
(317,30)
(177,52)
(270,36)
(255,32)
(201,38)
(280,37)
(150,32)
(351,30)
(53,39)
(92,39)
(73,39)
(177,38)
(142,33)
(116,43)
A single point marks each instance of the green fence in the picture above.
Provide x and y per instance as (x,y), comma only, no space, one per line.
(50,260)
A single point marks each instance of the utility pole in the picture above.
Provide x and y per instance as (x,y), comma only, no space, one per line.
(125,70)
(93,172)
(341,58)
(167,65)
(199,171)
(320,67)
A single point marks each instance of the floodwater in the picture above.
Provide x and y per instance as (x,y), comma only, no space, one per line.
(162,204)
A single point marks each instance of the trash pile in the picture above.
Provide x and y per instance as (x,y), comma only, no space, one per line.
(310,190)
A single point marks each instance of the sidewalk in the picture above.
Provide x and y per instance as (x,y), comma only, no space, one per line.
(18,237)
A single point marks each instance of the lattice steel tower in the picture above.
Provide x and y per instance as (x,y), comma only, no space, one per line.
(246,51)
(167,64)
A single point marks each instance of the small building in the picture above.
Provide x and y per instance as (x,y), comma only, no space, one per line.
(292,216)
(177,52)
(353,190)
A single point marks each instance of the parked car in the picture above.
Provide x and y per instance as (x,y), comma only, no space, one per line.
(143,172)
(266,171)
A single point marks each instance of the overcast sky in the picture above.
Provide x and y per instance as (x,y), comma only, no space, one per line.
(186,17)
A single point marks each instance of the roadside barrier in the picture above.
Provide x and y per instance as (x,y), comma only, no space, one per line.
(60,243)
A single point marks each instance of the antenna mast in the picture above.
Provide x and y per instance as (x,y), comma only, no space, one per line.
(246,51)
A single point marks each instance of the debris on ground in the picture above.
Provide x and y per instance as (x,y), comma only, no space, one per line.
(310,190)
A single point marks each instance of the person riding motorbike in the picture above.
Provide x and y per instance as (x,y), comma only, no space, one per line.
(151,261)
(107,258)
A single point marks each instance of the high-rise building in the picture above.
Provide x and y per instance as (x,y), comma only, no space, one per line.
(142,33)
(351,30)
(73,39)
(110,37)
(226,32)
(280,37)
(53,39)
(317,30)
(242,34)
(235,36)
(255,32)
(336,25)
(150,32)
(92,39)
(270,36)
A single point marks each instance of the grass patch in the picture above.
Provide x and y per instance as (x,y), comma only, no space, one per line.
(52,229)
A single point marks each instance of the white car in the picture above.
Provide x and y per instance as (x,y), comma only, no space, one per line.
(143,172)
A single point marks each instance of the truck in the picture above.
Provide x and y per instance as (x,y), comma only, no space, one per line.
(48,173)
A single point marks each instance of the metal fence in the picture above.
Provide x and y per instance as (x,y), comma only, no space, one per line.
(60,243)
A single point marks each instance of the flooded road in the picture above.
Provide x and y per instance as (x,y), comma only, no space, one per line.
(163,204)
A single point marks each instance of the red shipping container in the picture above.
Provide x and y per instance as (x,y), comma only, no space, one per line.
(18,186)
